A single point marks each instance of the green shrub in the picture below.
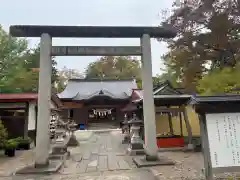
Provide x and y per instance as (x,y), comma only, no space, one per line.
(3,135)
(11,144)
(26,141)
(18,140)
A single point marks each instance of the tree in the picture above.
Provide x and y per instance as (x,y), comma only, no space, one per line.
(12,57)
(20,80)
(166,76)
(119,67)
(207,34)
(220,81)
(64,75)
(16,64)
(32,57)
(11,51)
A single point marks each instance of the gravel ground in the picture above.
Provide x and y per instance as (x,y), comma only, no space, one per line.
(188,165)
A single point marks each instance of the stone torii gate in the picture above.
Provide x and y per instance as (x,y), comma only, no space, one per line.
(46,33)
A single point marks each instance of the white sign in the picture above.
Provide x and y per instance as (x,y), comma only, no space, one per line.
(96,50)
(224,139)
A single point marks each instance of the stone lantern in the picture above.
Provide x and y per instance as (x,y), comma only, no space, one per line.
(126,133)
(60,134)
(136,143)
(72,141)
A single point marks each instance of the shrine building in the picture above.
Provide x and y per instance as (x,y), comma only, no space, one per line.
(89,101)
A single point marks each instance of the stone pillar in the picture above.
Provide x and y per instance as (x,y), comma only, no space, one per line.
(148,102)
(44,99)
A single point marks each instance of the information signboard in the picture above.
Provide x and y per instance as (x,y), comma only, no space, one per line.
(224,139)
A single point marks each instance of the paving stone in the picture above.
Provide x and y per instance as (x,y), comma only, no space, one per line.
(124,175)
(102,152)
(91,169)
(93,161)
(102,163)
(123,164)
(70,168)
(86,155)
(95,150)
(82,166)
(112,162)
(77,157)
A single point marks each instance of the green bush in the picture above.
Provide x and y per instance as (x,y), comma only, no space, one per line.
(26,141)
(3,135)
(18,139)
(11,144)
(23,143)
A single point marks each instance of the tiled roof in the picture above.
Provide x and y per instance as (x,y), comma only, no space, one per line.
(222,98)
(17,96)
(27,97)
(165,88)
(137,94)
(80,89)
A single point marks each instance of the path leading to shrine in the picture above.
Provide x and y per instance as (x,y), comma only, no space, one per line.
(100,156)
(103,151)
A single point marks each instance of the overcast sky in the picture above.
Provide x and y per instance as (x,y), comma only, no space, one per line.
(87,12)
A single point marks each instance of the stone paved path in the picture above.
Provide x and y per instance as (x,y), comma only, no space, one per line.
(100,156)
(102,152)
(137,174)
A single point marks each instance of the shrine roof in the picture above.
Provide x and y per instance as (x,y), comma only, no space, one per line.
(164,95)
(84,89)
(169,100)
(214,99)
(25,97)
(172,100)
(91,31)
(18,96)
(216,104)
(166,88)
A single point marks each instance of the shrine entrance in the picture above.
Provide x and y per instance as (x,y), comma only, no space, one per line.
(102,118)
(98,115)
(46,33)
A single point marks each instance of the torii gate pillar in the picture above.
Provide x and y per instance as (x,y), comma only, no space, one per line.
(44,99)
(148,102)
